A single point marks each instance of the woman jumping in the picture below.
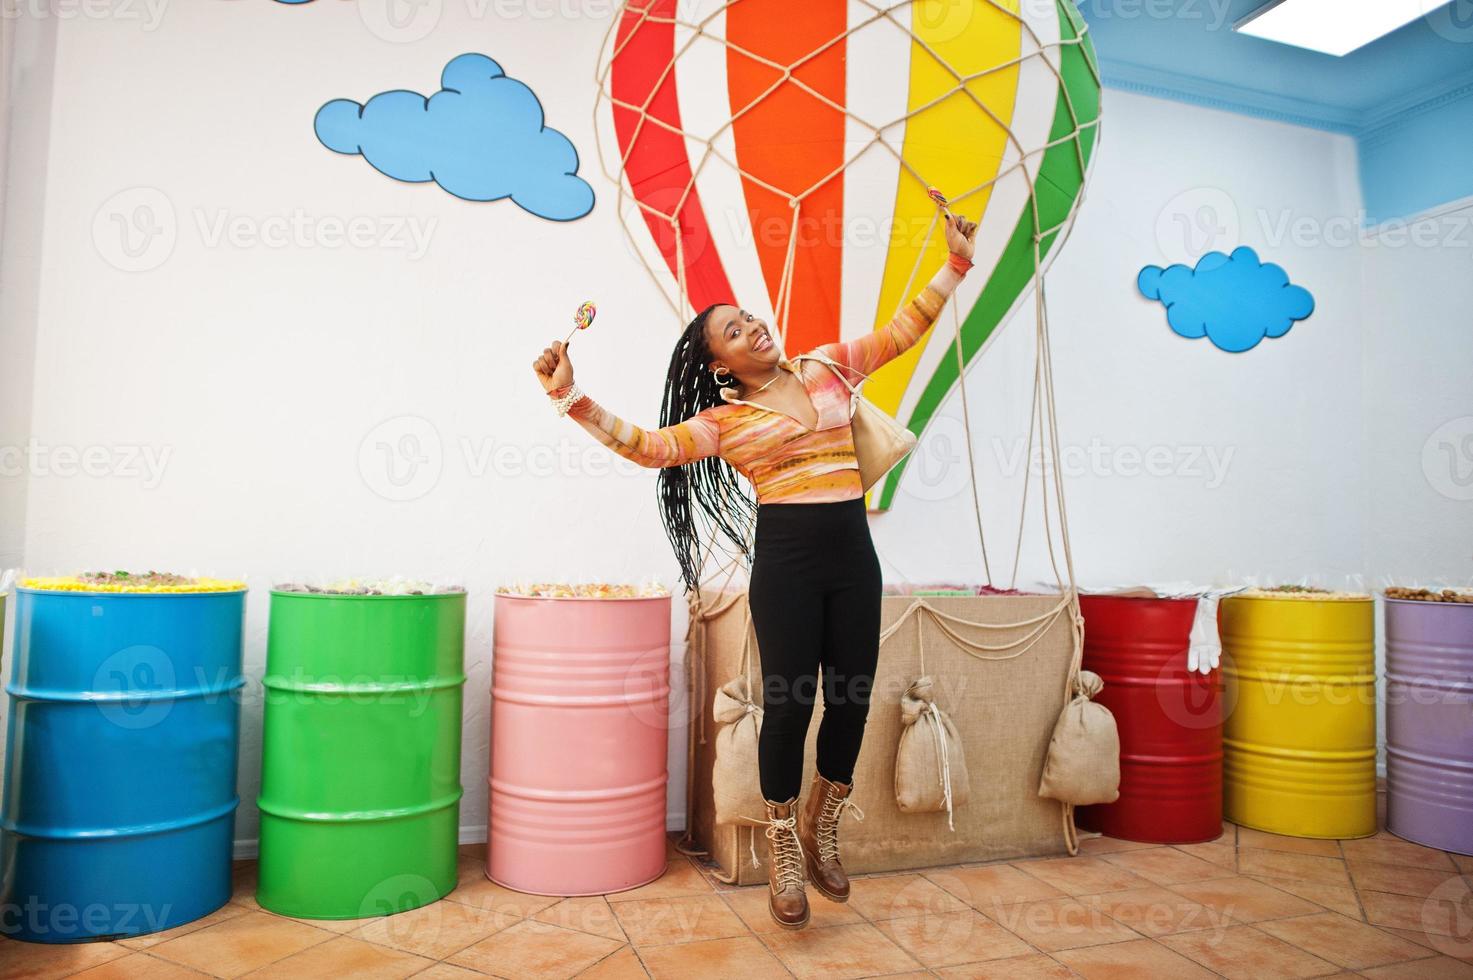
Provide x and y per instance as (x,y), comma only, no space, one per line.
(814,587)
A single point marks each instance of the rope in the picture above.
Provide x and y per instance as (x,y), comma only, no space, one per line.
(1040,625)
(943,752)
(961,373)
(699,614)
(786,76)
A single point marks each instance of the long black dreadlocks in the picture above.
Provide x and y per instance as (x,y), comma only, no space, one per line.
(705,496)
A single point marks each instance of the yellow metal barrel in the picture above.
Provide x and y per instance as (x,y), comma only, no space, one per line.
(1299,715)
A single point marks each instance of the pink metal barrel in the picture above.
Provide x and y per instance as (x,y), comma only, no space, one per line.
(580,694)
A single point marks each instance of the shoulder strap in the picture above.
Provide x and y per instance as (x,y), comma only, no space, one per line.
(835,366)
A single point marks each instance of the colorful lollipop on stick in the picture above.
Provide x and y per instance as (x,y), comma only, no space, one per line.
(940,200)
(582,320)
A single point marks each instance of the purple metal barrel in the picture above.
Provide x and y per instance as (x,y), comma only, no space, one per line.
(1429,723)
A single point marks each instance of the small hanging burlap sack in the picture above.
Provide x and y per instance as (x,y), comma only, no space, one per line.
(735,786)
(930,764)
(1083,763)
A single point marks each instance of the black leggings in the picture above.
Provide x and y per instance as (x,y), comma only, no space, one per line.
(815,598)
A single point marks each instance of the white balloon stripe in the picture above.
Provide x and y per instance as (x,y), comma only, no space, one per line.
(705,113)
(877,81)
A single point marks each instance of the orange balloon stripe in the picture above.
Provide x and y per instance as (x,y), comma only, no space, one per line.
(791,140)
(658,166)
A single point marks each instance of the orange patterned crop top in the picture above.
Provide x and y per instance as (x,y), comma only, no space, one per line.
(785,461)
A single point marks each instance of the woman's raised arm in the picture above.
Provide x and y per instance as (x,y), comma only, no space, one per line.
(866,354)
(672,445)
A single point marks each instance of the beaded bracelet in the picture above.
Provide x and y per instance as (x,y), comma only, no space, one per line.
(565,401)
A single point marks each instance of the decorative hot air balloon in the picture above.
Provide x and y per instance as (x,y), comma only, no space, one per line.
(780,150)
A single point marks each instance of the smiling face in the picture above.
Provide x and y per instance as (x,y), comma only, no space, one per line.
(740,342)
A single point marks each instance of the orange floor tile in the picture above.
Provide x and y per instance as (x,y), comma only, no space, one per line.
(1249,905)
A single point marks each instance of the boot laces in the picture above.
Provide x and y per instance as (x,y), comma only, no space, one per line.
(786,849)
(826,827)
(787,852)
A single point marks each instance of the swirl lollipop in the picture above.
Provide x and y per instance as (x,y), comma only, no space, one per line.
(940,200)
(582,320)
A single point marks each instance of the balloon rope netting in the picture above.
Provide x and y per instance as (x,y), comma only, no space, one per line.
(1043,428)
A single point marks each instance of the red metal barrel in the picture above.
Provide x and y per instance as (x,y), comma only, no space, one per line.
(1170,721)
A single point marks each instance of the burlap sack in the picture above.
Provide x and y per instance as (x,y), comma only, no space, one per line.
(1083,764)
(1004,712)
(736,790)
(931,764)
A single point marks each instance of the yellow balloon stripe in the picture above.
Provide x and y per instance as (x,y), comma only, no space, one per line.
(948,146)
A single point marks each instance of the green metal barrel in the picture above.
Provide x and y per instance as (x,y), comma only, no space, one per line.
(360,759)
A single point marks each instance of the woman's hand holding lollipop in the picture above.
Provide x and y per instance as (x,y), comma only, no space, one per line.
(959,231)
(959,236)
(553,368)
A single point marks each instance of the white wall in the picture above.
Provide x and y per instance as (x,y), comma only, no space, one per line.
(1418,314)
(258,374)
(27,58)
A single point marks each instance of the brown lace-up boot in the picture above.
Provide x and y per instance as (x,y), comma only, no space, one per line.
(818,830)
(786,900)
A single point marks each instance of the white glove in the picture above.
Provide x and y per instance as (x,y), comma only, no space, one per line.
(1204,649)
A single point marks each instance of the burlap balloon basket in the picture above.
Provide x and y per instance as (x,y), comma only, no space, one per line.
(1000,666)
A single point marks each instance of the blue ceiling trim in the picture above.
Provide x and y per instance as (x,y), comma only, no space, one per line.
(1231,98)
(1387,118)
(1376,124)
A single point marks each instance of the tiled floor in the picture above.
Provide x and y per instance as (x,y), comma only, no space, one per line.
(1249,905)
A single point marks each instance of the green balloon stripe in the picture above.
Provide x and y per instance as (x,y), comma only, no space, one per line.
(1060,180)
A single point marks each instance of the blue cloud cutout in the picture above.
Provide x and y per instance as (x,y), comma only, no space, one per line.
(1233,300)
(481,137)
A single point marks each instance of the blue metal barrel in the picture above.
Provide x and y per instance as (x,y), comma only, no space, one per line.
(120,763)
